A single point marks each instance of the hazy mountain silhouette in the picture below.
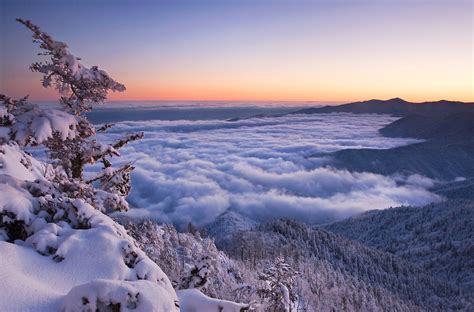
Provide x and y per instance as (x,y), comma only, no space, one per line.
(447,127)
(395,107)
(454,127)
(448,152)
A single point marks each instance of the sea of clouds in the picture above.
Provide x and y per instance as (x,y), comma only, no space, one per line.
(264,168)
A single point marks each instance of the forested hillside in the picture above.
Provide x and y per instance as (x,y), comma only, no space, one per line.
(343,274)
(437,237)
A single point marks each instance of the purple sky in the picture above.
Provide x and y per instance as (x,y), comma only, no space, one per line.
(253,50)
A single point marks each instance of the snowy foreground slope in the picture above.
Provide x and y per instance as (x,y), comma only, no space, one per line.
(59,253)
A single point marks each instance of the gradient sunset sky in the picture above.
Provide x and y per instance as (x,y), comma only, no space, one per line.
(329,50)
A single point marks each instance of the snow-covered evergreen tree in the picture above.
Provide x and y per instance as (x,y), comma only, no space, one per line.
(90,261)
(197,274)
(68,136)
(278,286)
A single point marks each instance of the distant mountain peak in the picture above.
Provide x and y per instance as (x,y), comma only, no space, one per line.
(392,100)
(397,99)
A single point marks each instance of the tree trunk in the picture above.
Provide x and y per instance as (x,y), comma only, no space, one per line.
(77,166)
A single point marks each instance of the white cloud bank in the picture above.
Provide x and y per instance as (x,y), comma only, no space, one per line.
(196,170)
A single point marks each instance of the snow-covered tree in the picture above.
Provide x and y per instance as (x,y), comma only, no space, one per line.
(67,134)
(196,276)
(278,286)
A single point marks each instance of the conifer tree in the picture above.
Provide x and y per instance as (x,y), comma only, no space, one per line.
(67,134)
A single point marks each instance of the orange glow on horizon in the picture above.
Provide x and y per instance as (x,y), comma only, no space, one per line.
(302,92)
(310,51)
(250,93)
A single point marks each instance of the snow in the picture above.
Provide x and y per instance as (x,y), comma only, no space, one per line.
(28,280)
(4,134)
(16,163)
(38,126)
(3,111)
(15,201)
(73,64)
(92,258)
(192,300)
(81,72)
(70,244)
(4,114)
(31,282)
(100,293)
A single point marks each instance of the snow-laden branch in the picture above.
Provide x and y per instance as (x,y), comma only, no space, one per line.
(81,86)
(28,124)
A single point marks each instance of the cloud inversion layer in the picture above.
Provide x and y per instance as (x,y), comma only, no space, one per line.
(196,170)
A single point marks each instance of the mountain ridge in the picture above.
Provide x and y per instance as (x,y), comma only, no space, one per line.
(455,127)
(395,107)
(446,154)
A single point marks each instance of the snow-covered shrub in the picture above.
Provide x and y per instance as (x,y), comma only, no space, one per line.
(196,275)
(278,286)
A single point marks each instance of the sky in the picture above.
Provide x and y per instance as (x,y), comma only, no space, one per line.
(321,50)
